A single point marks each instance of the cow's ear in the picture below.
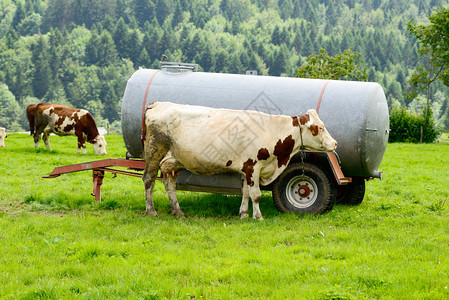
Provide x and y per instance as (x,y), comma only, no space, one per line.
(312,112)
(304,119)
(314,129)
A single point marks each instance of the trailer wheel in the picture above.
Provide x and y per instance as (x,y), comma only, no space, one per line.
(305,189)
(352,193)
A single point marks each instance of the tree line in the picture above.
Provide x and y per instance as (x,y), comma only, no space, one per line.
(81,53)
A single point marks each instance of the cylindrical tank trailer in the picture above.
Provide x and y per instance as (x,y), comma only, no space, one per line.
(354,113)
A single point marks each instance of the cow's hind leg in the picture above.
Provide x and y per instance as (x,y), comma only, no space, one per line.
(153,155)
(169,180)
(36,138)
(170,167)
(149,179)
(243,212)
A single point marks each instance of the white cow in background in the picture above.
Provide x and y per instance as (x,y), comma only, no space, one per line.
(3,135)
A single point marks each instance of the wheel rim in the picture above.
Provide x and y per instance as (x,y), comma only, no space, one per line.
(301,191)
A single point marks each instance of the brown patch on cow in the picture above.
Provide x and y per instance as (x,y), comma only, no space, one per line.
(63,114)
(263,154)
(229,163)
(60,121)
(87,126)
(68,128)
(75,117)
(248,169)
(304,119)
(314,129)
(295,121)
(283,149)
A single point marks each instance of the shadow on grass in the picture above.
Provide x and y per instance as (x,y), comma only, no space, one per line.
(193,204)
(204,205)
(58,202)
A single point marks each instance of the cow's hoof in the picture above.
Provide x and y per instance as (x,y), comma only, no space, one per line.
(243,215)
(178,213)
(151,213)
(258,217)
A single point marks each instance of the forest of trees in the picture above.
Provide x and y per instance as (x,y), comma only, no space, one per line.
(81,53)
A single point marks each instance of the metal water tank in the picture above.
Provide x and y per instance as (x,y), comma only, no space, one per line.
(355,113)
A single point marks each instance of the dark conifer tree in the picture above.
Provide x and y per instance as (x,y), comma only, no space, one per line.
(143,10)
(221,61)
(276,36)
(107,53)
(42,74)
(144,60)
(18,16)
(121,38)
(134,47)
(92,47)
(346,41)
(162,9)
(177,15)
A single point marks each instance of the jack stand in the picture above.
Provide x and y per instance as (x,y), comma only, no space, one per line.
(98,181)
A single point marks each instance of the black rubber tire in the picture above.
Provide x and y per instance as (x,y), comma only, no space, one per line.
(321,189)
(352,193)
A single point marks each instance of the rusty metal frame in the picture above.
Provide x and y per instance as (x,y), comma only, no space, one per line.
(99,167)
(136,167)
(338,173)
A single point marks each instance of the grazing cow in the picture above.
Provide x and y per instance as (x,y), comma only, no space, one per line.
(64,120)
(3,135)
(209,141)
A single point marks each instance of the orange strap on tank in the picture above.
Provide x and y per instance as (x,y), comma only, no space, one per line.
(143,107)
(321,96)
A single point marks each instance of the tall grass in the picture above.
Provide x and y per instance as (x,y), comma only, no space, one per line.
(57,242)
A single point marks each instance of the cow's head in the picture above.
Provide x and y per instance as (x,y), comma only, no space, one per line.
(314,134)
(3,135)
(99,144)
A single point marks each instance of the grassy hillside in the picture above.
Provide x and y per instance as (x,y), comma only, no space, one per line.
(56,242)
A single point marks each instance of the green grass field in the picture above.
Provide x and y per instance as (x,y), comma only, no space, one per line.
(56,242)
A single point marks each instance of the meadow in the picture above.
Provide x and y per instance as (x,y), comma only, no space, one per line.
(56,242)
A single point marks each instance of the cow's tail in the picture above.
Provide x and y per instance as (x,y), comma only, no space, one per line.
(31,112)
(144,125)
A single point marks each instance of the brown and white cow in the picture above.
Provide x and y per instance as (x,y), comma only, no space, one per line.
(63,120)
(209,141)
(3,135)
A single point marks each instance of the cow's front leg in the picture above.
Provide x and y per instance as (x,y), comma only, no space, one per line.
(149,178)
(169,180)
(46,139)
(243,212)
(81,144)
